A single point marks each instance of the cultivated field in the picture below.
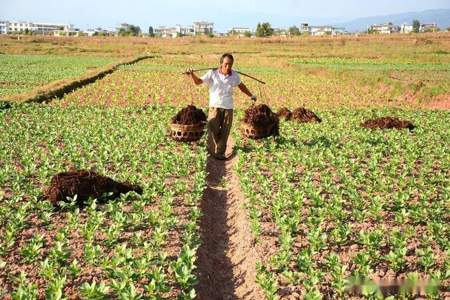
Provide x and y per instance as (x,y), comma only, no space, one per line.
(305,215)
(22,73)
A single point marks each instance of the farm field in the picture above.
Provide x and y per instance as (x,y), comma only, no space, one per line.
(333,201)
(373,83)
(22,73)
(400,71)
(129,244)
(310,212)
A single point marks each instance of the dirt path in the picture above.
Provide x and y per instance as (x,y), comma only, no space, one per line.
(227,258)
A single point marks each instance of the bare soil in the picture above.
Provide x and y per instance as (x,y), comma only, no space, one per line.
(227,257)
(440,102)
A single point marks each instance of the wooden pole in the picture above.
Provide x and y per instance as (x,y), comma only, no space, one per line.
(244,74)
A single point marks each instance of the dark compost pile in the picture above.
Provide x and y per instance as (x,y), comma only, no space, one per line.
(85,184)
(387,123)
(304,115)
(189,115)
(285,113)
(261,117)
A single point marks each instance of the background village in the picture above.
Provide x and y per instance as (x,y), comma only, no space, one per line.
(207,28)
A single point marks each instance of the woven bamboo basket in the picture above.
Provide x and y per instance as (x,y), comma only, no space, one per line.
(187,133)
(256,133)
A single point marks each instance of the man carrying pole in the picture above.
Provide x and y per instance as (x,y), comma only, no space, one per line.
(221,82)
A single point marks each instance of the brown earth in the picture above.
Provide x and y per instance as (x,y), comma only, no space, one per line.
(189,115)
(387,123)
(304,115)
(227,258)
(285,113)
(84,184)
(261,117)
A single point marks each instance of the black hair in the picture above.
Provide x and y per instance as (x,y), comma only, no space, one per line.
(226,55)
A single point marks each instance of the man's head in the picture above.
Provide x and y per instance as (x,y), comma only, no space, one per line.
(226,62)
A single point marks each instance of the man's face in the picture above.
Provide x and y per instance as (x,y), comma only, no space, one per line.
(226,65)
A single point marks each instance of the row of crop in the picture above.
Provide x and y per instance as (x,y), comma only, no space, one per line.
(21,73)
(159,80)
(132,247)
(332,204)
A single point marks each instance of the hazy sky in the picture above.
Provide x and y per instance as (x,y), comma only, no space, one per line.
(109,13)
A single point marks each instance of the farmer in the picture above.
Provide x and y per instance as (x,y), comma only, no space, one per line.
(221,82)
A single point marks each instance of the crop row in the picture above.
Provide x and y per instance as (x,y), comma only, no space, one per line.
(132,247)
(159,80)
(22,73)
(333,204)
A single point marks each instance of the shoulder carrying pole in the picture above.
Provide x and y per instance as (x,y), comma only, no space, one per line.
(243,74)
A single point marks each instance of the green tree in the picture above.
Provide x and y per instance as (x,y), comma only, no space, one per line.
(416,26)
(130,30)
(264,29)
(293,30)
(135,30)
(151,31)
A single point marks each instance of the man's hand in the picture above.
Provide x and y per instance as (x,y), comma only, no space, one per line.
(197,80)
(253,97)
(189,72)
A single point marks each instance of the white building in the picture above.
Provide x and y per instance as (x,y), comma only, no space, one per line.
(185,30)
(203,28)
(406,28)
(431,27)
(50,28)
(164,31)
(98,31)
(34,27)
(387,28)
(4,27)
(321,30)
(173,32)
(304,28)
(239,31)
(20,26)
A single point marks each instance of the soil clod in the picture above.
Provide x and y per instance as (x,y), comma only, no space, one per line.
(262,120)
(285,113)
(85,184)
(189,115)
(387,123)
(304,115)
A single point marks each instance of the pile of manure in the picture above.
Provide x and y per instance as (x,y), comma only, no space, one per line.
(284,113)
(85,184)
(262,121)
(387,123)
(189,115)
(304,115)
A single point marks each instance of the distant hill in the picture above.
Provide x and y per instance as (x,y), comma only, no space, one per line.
(440,16)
